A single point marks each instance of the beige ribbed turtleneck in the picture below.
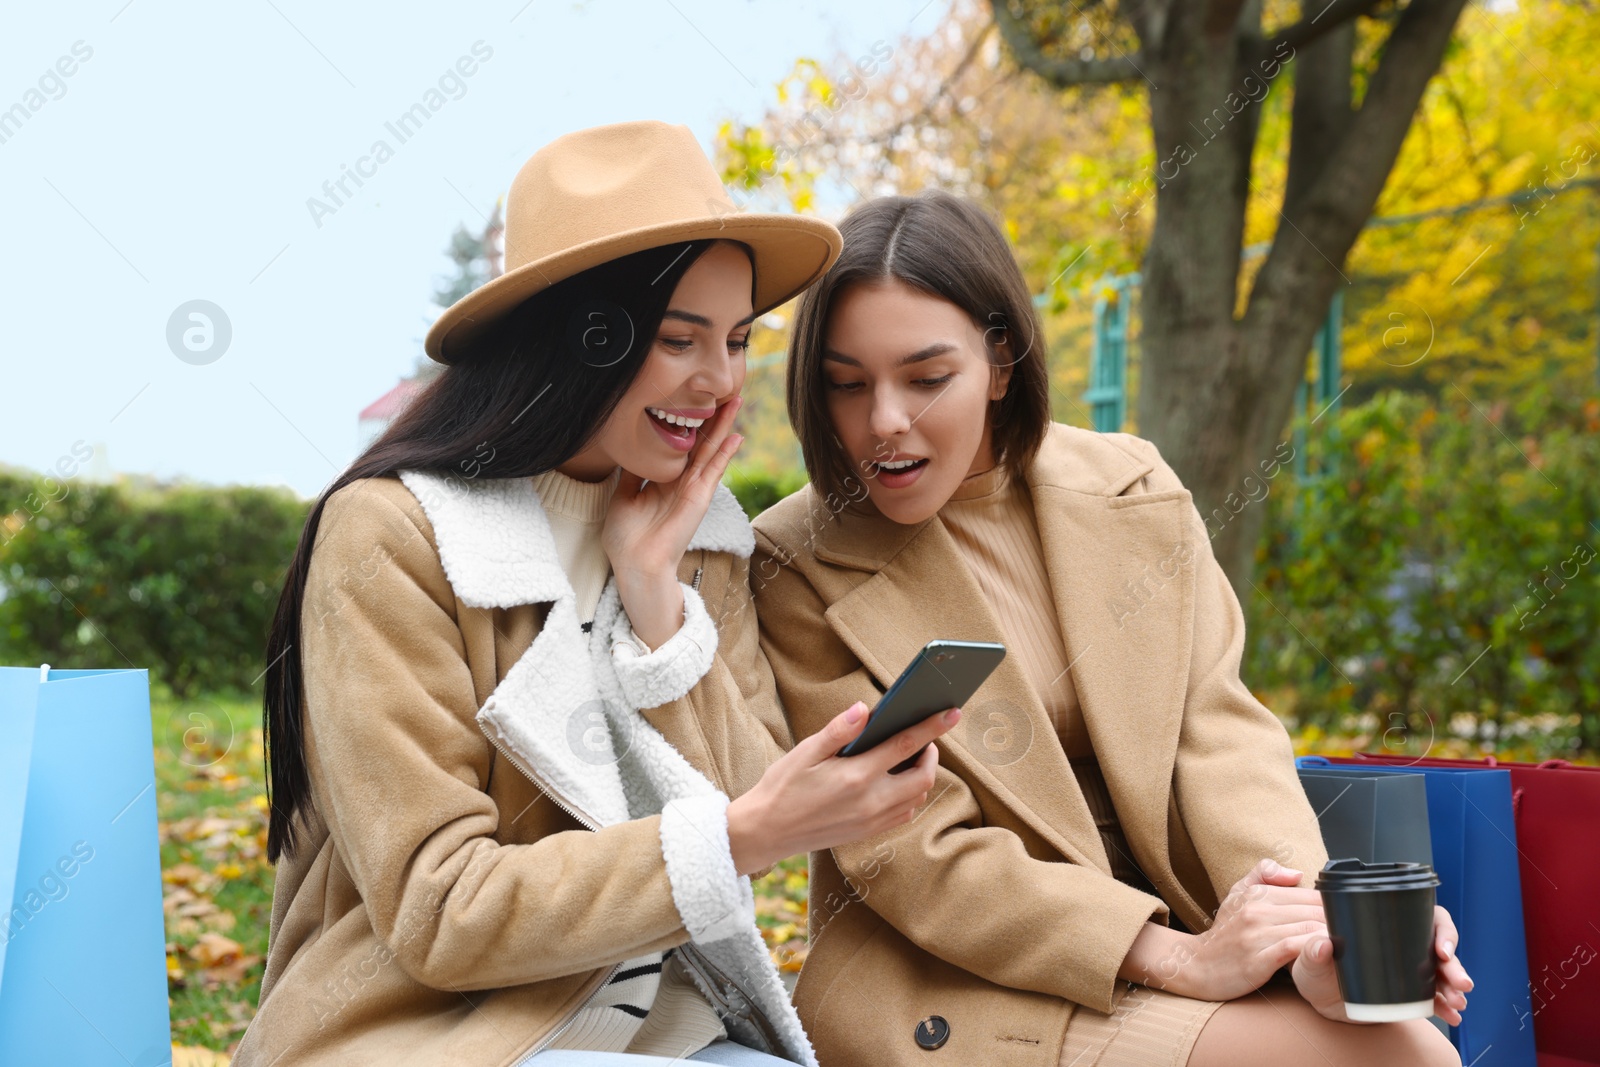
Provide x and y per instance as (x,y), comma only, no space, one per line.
(992,520)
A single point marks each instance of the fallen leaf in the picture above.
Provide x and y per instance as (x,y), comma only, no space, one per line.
(196,909)
(213,824)
(221,959)
(182,874)
(176,899)
(212,949)
(231,973)
(187,1056)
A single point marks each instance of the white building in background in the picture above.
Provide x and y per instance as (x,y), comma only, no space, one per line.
(378,415)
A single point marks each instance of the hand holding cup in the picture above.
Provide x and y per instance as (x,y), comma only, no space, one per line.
(1390,953)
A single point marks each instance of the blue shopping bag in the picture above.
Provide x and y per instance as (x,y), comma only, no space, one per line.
(83,976)
(1474,838)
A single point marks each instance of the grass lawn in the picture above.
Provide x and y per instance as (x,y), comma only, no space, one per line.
(217,883)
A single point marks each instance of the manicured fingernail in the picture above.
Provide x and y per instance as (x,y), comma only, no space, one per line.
(1449,950)
(953,716)
(855,713)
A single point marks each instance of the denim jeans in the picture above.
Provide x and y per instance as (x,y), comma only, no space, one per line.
(727,1053)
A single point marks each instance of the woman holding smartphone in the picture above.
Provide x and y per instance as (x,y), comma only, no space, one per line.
(1115,861)
(515,677)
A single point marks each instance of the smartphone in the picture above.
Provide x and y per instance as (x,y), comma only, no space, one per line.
(945,674)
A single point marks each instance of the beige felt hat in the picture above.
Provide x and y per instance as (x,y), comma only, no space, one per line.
(601,193)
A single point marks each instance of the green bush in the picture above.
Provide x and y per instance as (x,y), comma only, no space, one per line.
(1438,575)
(181,579)
(757,491)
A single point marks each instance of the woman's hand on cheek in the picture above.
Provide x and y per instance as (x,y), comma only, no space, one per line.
(648,528)
(813,799)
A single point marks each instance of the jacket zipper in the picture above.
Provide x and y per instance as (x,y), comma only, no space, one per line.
(693,959)
(581,817)
(549,791)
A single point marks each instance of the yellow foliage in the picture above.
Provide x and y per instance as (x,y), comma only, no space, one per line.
(1492,297)
(1502,294)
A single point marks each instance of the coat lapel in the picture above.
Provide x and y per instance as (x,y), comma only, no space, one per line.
(1122,577)
(557,709)
(1126,607)
(560,709)
(926,591)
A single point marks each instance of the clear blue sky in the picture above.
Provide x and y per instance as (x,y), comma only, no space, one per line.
(175,161)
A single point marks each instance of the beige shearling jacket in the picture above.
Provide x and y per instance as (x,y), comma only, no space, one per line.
(506,805)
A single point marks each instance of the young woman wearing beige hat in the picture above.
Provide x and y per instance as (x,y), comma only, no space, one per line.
(1115,857)
(515,676)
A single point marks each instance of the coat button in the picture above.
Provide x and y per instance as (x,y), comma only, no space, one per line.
(932,1032)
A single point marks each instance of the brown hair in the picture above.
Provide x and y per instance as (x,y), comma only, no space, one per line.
(947,247)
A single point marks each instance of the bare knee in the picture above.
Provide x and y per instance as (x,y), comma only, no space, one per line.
(1425,1045)
(1415,1043)
(1277,1027)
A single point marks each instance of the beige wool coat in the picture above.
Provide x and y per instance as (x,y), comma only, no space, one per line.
(995,907)
(505,805)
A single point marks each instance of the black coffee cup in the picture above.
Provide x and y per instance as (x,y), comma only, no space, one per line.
(1380,918)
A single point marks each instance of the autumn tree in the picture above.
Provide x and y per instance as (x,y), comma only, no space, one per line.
(1476,277)
(1220,367)
(1223,342)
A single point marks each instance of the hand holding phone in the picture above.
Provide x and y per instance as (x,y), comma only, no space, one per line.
(945,674)
(811,800)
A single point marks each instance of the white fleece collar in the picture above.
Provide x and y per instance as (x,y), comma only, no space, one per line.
(495,543)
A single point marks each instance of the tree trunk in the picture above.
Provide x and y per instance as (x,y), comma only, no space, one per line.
(1199,396)
(1217,387)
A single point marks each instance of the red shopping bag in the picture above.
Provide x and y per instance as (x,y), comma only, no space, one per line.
(1557,811)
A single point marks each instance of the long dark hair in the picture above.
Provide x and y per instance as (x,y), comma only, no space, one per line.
(530,395)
